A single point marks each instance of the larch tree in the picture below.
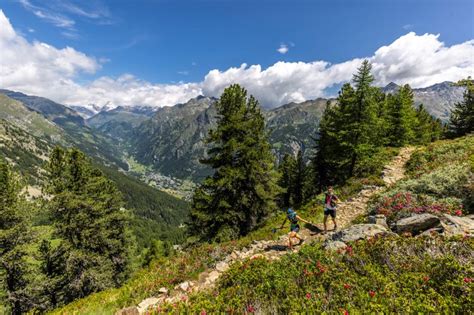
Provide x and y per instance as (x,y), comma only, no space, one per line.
(243,189)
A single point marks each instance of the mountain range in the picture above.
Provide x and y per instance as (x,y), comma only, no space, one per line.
(170,140)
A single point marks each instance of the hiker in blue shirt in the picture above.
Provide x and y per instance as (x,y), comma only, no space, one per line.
(330,205)
(294,227)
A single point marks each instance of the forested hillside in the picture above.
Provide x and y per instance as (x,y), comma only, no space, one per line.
(405,215)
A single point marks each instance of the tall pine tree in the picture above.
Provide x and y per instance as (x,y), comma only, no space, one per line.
(242,191)
(14,236)
(86,211)
(286,180)
(461,121)
(401,117)
(299,180)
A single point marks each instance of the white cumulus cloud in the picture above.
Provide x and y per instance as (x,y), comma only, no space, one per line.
(58,73)
(283,49)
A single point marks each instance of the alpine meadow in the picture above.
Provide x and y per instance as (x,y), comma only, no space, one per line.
(236,157)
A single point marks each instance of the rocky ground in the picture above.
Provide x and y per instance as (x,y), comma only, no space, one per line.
(347,212)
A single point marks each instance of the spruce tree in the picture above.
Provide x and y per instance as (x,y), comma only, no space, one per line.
(242,191)
(361,128)
(461,121)
(14,236)
(286,180)
(298,180)
(401,117)
(87,215)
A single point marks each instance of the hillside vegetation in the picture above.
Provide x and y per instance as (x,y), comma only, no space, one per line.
(413,274)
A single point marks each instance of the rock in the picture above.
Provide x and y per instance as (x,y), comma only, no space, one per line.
(212,277)
(163,290)
(380,219)
(334,245)
(128,311)
(184,286)
(417,223)
(433,231)
(222,266)
(359,232)
(457,225)
(146,303)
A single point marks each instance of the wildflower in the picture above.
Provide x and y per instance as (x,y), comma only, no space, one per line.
(467,280)
(250,309)
(349,250)
(308,295)
(346,312)
(372,293)
(458,213)
(203,312)
(347,286)
(426,278)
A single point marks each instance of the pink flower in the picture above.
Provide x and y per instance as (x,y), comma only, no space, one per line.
(347,286)
(346,312)
(458,213)
(250,309)
(467,280)
(372,293)
(426,278)
(308,295)
(203,312)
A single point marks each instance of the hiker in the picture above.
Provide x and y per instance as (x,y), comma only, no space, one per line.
(330,205)
(294,227)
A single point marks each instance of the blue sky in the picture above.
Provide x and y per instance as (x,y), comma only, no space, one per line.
(164,42)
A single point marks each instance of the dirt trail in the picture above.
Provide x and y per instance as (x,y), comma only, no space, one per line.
(347,211)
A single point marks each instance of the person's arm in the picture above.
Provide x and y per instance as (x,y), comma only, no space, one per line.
(301,219)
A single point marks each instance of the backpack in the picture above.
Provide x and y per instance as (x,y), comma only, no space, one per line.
(292,216)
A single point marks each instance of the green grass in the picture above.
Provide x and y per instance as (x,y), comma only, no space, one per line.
(391,275)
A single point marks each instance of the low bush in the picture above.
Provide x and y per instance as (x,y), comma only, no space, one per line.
(393,275)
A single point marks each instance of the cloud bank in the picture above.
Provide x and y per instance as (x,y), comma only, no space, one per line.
(41,69)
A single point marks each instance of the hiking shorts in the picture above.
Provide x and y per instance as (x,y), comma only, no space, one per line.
(331,212)
(294,227)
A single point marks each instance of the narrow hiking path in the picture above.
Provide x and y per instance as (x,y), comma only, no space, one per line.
(274,249)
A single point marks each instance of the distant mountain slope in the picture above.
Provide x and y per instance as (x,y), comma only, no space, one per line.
(17,113)
(119,122)
(438,99)
(26,139)
(173,139)
(74,127)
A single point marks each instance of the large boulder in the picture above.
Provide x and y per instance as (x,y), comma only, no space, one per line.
(457,225)
(334,245)
(359,232)
(417,223)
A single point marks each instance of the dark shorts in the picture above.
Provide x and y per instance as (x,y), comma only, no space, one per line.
(331,212)
(294,227)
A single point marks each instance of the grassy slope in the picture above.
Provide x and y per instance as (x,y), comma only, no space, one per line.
(168,272)
(386,275)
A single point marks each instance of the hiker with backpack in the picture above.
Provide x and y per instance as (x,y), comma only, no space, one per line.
(330,205)
(294,227)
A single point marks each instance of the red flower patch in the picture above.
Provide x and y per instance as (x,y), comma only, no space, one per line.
(372,293)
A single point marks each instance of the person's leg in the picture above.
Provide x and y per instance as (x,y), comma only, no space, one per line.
(290,236)
(325,221)
(334,219)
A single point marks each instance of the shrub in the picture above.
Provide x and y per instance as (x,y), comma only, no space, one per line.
(392,275)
